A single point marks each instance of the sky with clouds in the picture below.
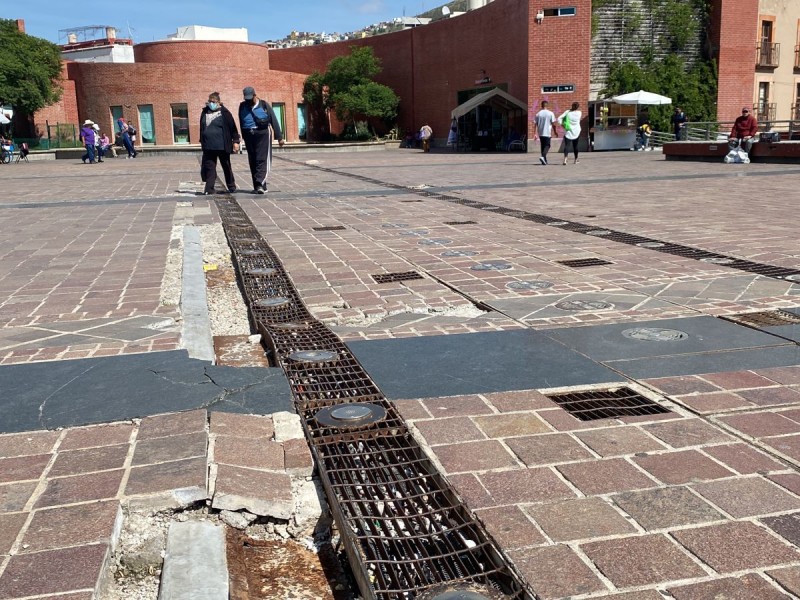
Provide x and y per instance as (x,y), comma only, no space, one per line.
(149,20)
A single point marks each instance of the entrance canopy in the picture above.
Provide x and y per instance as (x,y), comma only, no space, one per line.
(495,97)
(642,97)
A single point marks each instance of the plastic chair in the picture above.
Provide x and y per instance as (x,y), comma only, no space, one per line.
(23,152)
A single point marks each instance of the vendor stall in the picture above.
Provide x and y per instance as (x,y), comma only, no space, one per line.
(612,125)
(614,121)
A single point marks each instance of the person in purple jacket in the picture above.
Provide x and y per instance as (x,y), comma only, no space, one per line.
(88,139)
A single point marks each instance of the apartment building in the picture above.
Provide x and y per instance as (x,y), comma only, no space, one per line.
(776,94)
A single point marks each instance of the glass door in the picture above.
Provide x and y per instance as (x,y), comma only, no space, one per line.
(147,131)
(301,121)
(180,123)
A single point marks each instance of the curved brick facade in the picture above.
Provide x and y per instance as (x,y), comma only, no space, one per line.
(235,55)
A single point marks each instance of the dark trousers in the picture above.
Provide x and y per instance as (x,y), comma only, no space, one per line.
(545,145)
(126,141)
(208,169)
(259,154)
(574,143)
(89,153)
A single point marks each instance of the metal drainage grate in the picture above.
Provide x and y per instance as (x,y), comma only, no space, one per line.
(460,222)
(584,262)
(330,228)
(404,529)
(607,404)
(392,277)
(769,318)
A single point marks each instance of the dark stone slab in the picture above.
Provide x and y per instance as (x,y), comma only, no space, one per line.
(474,363)
(666,507)
(787,526)
(67,569)
(705,334)
(747,587)
(709,362)
(100,390)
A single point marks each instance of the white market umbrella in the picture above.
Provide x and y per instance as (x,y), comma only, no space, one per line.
(4,119)
(642,97)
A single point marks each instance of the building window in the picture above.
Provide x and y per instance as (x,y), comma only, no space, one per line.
(566,11)
(116,115)
(280,113)
(147,130)
(180,123)
(563,88)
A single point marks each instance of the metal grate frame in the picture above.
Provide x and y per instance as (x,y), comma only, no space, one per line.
(592,405)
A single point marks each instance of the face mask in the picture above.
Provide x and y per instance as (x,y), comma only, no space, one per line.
(212,106)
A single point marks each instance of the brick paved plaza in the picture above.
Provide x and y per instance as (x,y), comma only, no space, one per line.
(699,502)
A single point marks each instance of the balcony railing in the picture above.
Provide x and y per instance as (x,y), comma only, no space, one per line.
(765,111)
(797,57)
(767,55)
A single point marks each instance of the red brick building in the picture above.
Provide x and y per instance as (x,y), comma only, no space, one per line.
(532,49)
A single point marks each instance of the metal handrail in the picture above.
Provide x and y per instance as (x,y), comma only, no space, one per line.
(703,131)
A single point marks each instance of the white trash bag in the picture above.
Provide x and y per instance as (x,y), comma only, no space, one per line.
(736,155)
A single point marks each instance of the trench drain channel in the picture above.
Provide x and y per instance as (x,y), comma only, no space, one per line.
(405,532)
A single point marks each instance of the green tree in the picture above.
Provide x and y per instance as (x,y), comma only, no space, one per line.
(694,89)
(30,69)
(347,88)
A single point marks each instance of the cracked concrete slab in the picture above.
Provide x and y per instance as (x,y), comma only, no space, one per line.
(81,392)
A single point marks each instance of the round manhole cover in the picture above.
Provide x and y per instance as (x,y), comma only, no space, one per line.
(717,260)
(394,225)
(469,591)
(276,302)
(290,326)
(435,242)
(529,285)
(492,266)
(313,356)
(655,334)
(460,253)
(262,271)
(792,278)
(584,305)
(346,416)
(598,232)
(651,244)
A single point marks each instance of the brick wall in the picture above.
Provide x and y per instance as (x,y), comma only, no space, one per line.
(63,111)
(236,55)
(734,24)
(559,51)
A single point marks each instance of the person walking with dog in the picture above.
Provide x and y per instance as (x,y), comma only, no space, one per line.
(259,127)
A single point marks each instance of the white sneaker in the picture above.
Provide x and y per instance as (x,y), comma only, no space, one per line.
(542,160)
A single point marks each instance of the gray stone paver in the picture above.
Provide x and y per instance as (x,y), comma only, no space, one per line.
(81,271)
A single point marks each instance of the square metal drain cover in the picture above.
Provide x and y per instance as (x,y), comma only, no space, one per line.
(584,262)
(392,277)
(767,318)
(330,228)
(607,404)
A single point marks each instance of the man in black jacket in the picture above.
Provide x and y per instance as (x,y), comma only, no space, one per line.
(219,138)
(259,125)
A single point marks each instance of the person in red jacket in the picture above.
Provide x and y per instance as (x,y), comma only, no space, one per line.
(744,129)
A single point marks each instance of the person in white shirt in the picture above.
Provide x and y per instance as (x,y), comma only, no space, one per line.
(571,122)
(544,125)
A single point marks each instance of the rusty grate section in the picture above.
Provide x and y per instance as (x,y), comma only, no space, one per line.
(402,525)
(392,277)
(584,262)
(769,318)
(607,404)
(622,237)
(330,228)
